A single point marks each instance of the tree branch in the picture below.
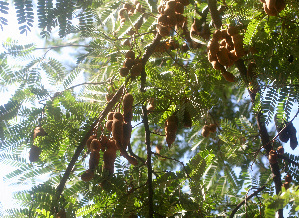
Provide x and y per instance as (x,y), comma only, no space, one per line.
(246,199)
(79,149)
(263,134)
(212,4)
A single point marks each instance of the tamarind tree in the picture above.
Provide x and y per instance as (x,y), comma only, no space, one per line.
(168,112)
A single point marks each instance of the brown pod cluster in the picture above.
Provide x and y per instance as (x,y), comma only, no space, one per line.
(87,175)
(110,156)
(131,65)
(288,179)
(128,105)
(224,53)
(166,46)
(207,129)
(34,150)
(170,129)
(171,14)
(272,157)
(131,9)
(273,7)
(200,29)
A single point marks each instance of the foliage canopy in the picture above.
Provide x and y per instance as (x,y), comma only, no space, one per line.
(204,172)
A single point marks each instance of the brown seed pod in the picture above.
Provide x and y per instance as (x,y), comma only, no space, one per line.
(128,63)
(222,56)
(139,8)
(61,214)
(180,19)
(127,42)
(89,140)
(121,13)
(109,159)
(170,138)
(171,4)
(280,5)
(217,35)
(232,55)
(179,8)
(172,119)
(288,178)
(110,115)
(95,145)
(162,20)
(270,4)
(217,66)
(171,127)
(223,33)
(229,43)
(169,11)
(128,6)
(286,185)
(187,119)
(163,30)
(184,2)
(117,131)
(132,160)
(34,153)
(124,71)
(118,116)
(122,21)
(104,141)
(130,54)
(109,125)
(128,116)
(94,160)
(87,175)
(272,157)
(128,102)
(211,57)
(38,131)
(228,76)
(238,43)
(127,129)
(222,43)
(136,70)
(280,150)
(213,47)
(150,108)
(205,131)
(272,12)
(232,30)
(171,20)
(212,127)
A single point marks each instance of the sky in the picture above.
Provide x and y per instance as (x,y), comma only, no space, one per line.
(12,31)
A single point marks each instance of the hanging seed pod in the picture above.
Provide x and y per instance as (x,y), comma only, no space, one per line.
(270,4)
(213,47)
(109,125)
(38,131)
(161,9)
(272,157)
(286,185)
(272,12)
(217,35)
(89,140)
(162,20)
(212,127)
(205,131)
(128,116)
(109,157)
(121,13)
(172,119)
(171,4)
(104,141)
(128,102)
(61,214)
(217,66)
(171,20)
(124,71)
(232,30)
(34,153)
(292,134)
(127,129)
(117,131)
(179,8)
(222,56)
(170,138)
(118,116)
(187,119)
(136,70)
(129,63)
(184,2)
(110,115)
(95,145)
(288,178)
(280,5)
(180,19)
(228,76)
(128,6)
(211,57)
(280,150)
(238,43)
(87,175)
(158,148)
(94,160)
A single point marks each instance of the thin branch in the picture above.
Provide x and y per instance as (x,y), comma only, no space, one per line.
(246,199)
(133,154)
(170,158)
(81,146)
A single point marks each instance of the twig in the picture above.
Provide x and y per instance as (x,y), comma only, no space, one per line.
(170,158)
(81,146)
(133,154)
(287,159)
(246,199)
(214,13)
